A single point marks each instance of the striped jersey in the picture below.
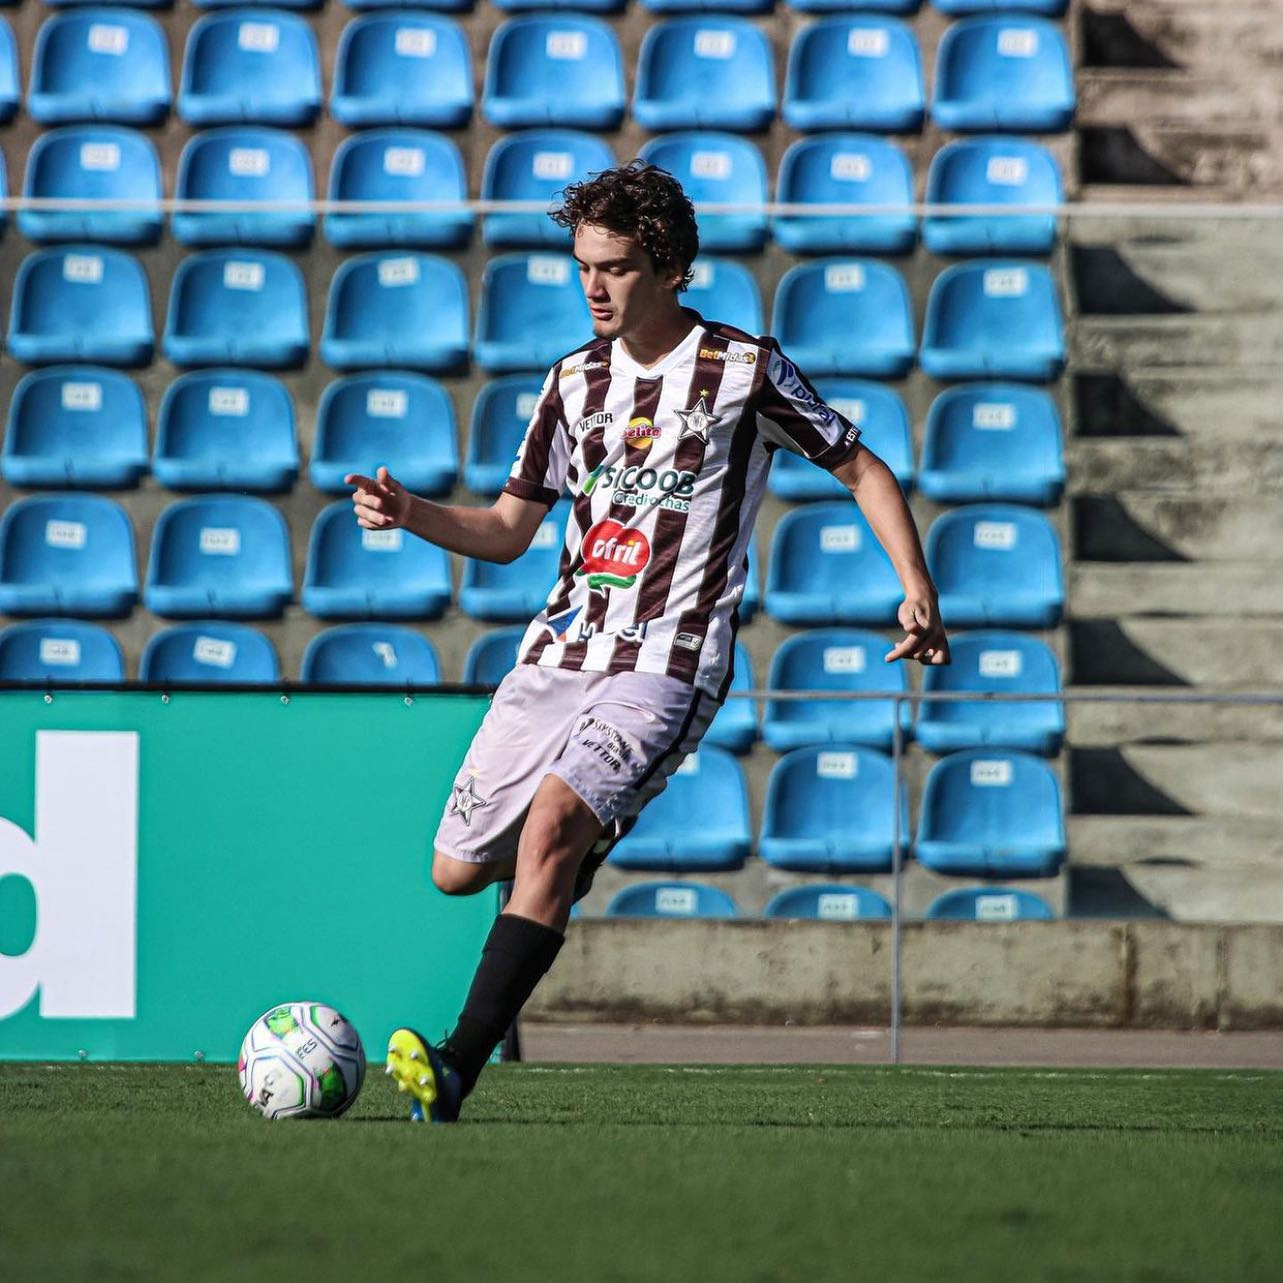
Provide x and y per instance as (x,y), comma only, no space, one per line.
(666,466)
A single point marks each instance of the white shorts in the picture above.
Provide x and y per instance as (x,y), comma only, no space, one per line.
(615,738)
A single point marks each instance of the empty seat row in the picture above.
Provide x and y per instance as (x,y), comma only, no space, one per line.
(67,554)
(833,903)
(252,165)
(710,71)
(955,8)
(985,319)
(85,426)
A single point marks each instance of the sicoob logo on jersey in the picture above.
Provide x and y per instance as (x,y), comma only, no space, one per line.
(636,486)
(613,556)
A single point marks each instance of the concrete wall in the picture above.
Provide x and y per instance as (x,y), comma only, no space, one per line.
(1068,974)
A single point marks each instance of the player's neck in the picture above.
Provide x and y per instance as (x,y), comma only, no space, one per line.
(651,343)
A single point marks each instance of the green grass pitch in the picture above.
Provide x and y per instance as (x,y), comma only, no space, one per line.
(607,1174)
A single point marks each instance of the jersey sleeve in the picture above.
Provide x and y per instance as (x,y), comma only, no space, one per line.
(543,459)
(790,413)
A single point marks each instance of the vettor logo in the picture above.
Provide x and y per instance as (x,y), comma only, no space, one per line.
(612,556)
(83,867)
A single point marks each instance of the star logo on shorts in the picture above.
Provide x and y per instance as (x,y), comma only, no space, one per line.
(466,800)
(697,420)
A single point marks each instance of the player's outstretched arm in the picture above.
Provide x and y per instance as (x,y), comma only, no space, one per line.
(878,493)
(500,533)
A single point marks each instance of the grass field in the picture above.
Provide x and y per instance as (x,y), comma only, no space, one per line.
(607,1174)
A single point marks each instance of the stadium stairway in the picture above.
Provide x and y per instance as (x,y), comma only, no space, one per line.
(1176,463)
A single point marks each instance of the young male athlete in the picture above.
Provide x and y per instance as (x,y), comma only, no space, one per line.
(662,427)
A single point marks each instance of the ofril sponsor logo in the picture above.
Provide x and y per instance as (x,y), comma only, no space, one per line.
(641,433)
(637,487)
(613,557)
(598,420)
(568,370)
(716,354)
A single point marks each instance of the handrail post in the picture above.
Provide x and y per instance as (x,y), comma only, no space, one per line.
(897,874)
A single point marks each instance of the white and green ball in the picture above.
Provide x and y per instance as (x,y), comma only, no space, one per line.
(301,1060)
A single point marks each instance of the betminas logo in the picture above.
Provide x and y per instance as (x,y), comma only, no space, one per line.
(83,867)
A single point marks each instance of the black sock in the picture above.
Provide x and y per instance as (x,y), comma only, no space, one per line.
(517,953)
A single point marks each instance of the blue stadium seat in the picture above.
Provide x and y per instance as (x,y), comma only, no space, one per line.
(237,307)
(75,425)
(1003,72)
(993,441)
(878,412)
(492,656)
(254,4)
(81,303)
(839,660)
(10,92)
(370,655)
(671,900)
(92,162)
(516,591)
(254,66)
(554,69)
(80,4)
(500,416)
(245,163)
(698,824)
(402,68)
(828,903)
(532,312)
(845,316)
(992,171)
(1002,663)
(397,309)
(210,652)
(828,568)
(535,165)
(402,421)
(846,169)
(54,652)
(991,813)
(353,573)
(398,165)
(989,904)
(717,169)
(576,6)
(994,319)
(223,556)
(831,809)
(104,64)
(722,289)
(996,566)
(854,72)
(734,726)
(708,6)
(66,554)
(964,8)
(226,430)
(705,72)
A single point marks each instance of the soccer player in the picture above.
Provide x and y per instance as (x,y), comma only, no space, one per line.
(662,427)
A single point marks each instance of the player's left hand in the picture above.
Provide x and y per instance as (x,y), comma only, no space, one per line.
(924,635)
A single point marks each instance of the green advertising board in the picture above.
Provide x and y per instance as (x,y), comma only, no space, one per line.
(173,865)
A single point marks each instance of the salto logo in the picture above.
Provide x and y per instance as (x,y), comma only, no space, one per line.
(83,867)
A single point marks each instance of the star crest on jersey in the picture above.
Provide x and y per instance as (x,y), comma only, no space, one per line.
(697,420)
(466,800)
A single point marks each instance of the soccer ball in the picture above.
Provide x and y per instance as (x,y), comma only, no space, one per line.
(301,1060)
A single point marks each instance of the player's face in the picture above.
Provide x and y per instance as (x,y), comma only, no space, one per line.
(623,290)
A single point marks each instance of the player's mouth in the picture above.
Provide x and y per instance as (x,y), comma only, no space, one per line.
(598,314)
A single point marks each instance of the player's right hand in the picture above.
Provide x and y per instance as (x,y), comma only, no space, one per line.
(381,502)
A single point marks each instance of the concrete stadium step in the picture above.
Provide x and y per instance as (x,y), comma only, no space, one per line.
(1129,526)
(1175,466)
(1221,407)
(1147,160)
(1176,97)
(1231,780)
(1154,342)
(1184,33)
(1210,843)
(1204,653)
(1248,591)
(1109,725)
(1247,894)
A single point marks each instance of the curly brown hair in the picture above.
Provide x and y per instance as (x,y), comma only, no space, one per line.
(645,204)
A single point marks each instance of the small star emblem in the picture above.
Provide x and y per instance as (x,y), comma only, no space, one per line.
(697,420)
(466,800)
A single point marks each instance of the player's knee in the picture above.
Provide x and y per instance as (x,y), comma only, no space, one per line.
(457,877)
